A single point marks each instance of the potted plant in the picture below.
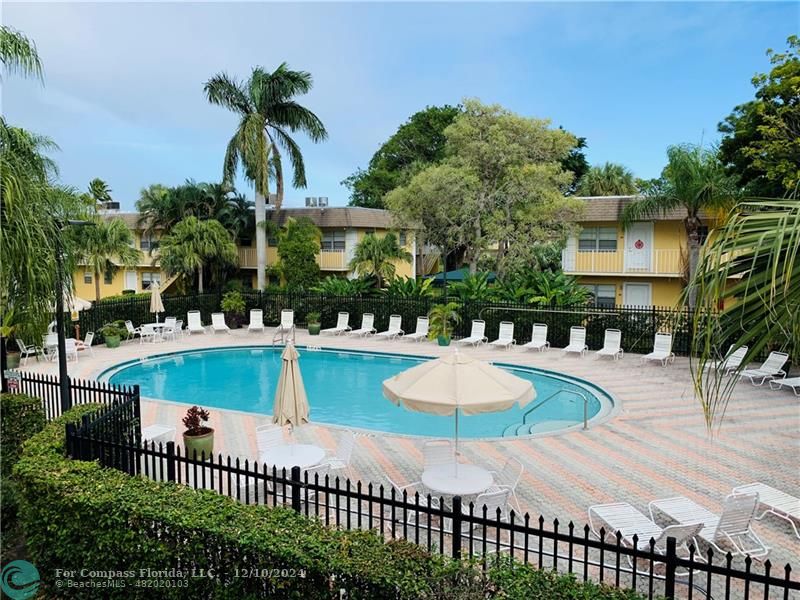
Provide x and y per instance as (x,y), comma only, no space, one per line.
(198,437)
(441,320)
(313,323)
(233,306)
(113,333)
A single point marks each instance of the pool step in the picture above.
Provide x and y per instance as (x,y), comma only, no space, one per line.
(517,429)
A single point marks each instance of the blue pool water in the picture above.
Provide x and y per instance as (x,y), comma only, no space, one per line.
(343,388)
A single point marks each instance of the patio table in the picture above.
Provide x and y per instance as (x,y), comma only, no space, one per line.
(291,455)
(158,329)
(457,479)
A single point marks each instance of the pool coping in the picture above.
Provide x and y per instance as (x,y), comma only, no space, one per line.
(610,407)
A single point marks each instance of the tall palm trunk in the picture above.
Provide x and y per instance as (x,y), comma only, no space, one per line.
(278,176)
(261,241)
(692,224)
(97,286)
(200,279)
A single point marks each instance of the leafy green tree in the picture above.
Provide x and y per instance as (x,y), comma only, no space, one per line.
(193,246)
(609,179)
(298,247)
(417,143)
(576,163)
(761,138)
(18,53)
(376,256)
(268,112)
(104,247)
(694,180)
(99,191)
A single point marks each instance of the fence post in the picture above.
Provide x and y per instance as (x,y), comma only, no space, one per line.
(669,577)
(71,445)
(170,460)
(296,481)
(457,527)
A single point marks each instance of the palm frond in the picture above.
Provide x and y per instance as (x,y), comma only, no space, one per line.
(18,53)
(224,90)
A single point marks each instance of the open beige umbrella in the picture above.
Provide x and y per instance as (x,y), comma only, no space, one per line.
(291,403)
(73,304)
(457,383)
(156,304)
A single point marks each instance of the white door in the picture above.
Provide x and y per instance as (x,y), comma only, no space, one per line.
(637,294)
(131,280)
(638,246)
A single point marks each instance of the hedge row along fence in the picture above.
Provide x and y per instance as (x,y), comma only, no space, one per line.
(77,516)
(638,324)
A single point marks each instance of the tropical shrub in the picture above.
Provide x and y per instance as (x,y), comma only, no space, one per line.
(298,246)
(474,287)
(341,286)
(233,306)
(442,318)
(375,257)
(114,329)
(408,287)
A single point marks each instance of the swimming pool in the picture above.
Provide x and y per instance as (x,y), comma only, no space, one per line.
(343,388)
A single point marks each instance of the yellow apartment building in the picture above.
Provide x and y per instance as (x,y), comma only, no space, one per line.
(641,265)
(342,228)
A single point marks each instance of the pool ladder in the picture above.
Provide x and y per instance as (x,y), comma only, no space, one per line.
(283,335)
(525,428)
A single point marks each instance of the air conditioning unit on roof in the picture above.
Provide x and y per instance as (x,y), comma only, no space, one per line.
(311,201)
(322,201)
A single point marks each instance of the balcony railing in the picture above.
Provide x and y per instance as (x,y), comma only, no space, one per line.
(328,260)
(655,262)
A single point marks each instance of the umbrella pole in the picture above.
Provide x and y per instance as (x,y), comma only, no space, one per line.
(455,457)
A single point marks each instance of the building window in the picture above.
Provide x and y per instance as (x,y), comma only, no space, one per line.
(87,277)
(333,240)
(402,238)
(148,242)
(108,277)
(272,241)
(598,239)
(148,279)
(604,295)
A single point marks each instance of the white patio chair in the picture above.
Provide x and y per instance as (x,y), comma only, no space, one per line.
(132,331)
(774,502)
(50,346)
(395,328)
(178,329)
(437,452)
(342,325)
(339,460)
(169,330)
(538,338)
(662,350)
(71,349)
(193,322)
(256,320)
(410,490)
(732,361)
(148,332)
(421,332)
(26,352)
(732,528)
(476,335)
(790,382)
(772,368)
(86,344)
(317,475)
(218,323)
(577,341)
(508,478)
(268,437)
(367,320)
(505,337)
(611,344)
(494,504)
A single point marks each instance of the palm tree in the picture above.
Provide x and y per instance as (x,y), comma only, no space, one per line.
(104,247)
(237,217)
(99,191)
(267,114)
(693,180)
(376,255)
(607,180)
(18,53)
(192,245)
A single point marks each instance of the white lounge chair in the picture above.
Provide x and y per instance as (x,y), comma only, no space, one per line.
(395,328)
(86,344)
(193,323)
(339,460)
(256,320)
(342,325)
(611,344)
(26,352)
(732,528)
(505,337)
(775,502)
(421,332)
(367,320)
(538,338)
(218,323)
(732,361)
(772,367)
(287,322)
(268,437)
(577,340)
(790,382)
(662,350)
(476,336)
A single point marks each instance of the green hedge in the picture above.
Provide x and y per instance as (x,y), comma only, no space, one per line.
(77,515)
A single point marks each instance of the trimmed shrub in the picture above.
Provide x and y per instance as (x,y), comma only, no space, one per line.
(77,515)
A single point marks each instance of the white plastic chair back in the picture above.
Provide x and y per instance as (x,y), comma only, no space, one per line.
(738,511)
(193,319)
(129,326)
(506,333)
(51,340)
(510,474)
(682,533)
(492,501)
(422,325)
(734,358)
(342,322)
(539,333)
(437,452)
(395,323)
(287,319)
(256,317)
(367,320)
(577,336)
(218,320)
(774,362)
(87,341)
(178,326)
(70,347)
(478,329)
(268,437)
(663,343)
(344,449)
(170,322)
(22,347)
(612,340)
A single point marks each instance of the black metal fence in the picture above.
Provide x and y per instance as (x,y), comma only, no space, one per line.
(638,324)
(450,526)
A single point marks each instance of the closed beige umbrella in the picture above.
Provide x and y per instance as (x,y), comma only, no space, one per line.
(457,382)
(156,304)
(291,403)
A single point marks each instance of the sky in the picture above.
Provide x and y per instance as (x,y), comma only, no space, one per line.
(123,91)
